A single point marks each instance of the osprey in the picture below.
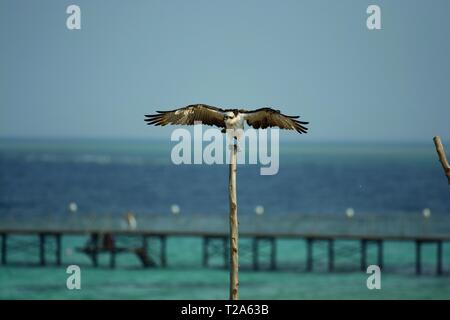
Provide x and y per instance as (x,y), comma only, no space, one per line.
(233,119)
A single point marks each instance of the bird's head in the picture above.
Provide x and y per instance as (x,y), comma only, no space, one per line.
(228,115)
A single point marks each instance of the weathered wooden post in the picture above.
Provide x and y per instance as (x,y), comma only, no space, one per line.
(234,235)
(442,158)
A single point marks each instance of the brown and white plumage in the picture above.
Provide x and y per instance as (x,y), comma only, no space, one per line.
(227,118)
(267,117)
(208,115)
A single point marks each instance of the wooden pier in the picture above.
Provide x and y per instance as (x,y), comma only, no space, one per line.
(215,244)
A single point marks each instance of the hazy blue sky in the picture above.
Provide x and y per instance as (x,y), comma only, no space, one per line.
(313,58)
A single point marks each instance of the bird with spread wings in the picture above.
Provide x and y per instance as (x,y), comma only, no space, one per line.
(233,119)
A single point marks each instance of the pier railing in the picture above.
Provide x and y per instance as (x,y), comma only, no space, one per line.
(382,225)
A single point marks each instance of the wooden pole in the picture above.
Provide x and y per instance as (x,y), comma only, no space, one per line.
(442,158)
(234,236)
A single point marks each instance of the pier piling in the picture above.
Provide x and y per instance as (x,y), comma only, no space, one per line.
(4,248)
(42,237)
(439,258)
(145,243)
(330,255)
(418,257)
(205,251)
(163,251)
(94,254)
(309,254)
(255,253)
(380,253)
(58,248)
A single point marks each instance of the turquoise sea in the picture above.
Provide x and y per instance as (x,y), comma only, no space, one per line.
(387,186)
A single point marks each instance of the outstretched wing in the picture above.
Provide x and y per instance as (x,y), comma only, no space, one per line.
(268,117)
(208,115)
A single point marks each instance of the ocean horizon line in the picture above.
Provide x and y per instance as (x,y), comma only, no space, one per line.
(420,142)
